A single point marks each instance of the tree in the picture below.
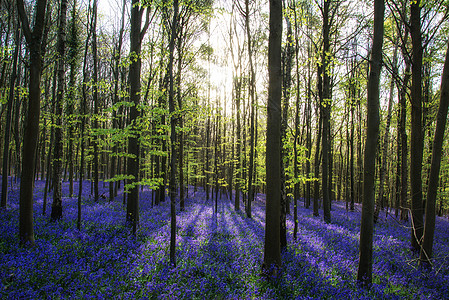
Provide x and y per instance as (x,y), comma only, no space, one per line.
(73,48)
(34,42)
(272,249)
(95,98)
(252,92)
(326,103)
(429,226)
(365,269)
(12,86)
(171,103)
(117,57)
(287,58)
(136,36)
(56,207)
(416,136)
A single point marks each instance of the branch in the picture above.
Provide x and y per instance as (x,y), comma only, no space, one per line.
(24,20)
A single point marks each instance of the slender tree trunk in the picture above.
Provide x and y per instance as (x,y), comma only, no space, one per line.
(181,135)
(326,103)
(11,97)
(365,269)
(237,84)
(252,91)
(316,188)
(117,58)
(386,141)
(286,84)
(73,56)
(171,102)
(429,226)
(56,207)
(95,100)
(404,146)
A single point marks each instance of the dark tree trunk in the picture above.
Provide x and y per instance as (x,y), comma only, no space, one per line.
(365,269)
(133,166)
(326,103)
(117,57)
(272,249)
(237,88)
(416,137)
(56,207)
(171,103)
(286,85)
(429,226)
(252,91)
(95,100)
(30,136)
(73,50)
(7,129)
(316,188)
(181,135)
(386,141)
(404,146)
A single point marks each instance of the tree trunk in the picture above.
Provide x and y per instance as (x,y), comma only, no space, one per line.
(95,100)
(326,103)
(386,141)
(429,226)
(12,84)
(286,85)
(316,188)
(30,136)
(365,269)
(136,35)
(252,91)
(237,84)
(117,57)
(56,207)
(416,137)
(181,134)
(73,45)
(272,249)
(171,103)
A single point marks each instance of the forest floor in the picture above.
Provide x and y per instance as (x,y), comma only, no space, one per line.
(219,254)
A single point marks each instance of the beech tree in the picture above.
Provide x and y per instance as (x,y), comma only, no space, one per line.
(272,249)
(365,269)
(429,226)
(56,208)
(33,36)
(133,166)
(11,96)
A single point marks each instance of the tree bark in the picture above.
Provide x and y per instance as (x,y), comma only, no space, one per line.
(272,249)
(117,57)
(171,103)
(386,141)
(30,136)
(286,85)
(416,137)
(95,100)
(429,226)
(11,97)
(56,207)
(365,268)
(326,103)
(252,92)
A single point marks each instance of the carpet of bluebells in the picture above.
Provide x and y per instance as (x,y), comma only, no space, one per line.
(219,254)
